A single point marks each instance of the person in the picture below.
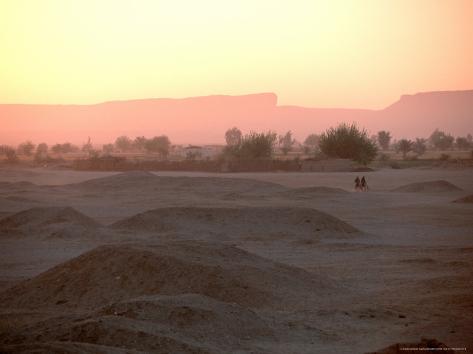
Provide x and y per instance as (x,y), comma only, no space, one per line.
(364,185)
(357,183)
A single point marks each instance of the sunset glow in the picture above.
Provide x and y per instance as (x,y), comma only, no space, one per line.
(312,53)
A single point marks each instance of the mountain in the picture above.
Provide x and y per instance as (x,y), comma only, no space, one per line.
(205,119)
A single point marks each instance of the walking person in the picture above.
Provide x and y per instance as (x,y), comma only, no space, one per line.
(364,184)
(357,184)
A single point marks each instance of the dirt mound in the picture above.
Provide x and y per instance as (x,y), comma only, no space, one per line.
(423,346)
(428,187)
(47,220)
(312,192)
(146,181)
(183,323)
(231,222)
(468,199)
(116,273)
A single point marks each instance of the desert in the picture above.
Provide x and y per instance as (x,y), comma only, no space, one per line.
(176,262)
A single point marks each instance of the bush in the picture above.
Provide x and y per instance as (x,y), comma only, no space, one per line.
(253,146)
(348,142)
(444,157)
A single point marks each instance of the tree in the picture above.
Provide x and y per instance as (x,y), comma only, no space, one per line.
(26,148)
(123,143)
(108,148)
(348,142)
(160,144)
(41,152)
(87,147)
(286,142)
(253,146)
(404,146)
(419,146)
(139,143)
(440,140)
(233,136)
(311,143)
(64,148)
(384,138)
(462,143)
(9,153)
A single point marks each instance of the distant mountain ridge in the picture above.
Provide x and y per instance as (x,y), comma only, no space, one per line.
(205,119)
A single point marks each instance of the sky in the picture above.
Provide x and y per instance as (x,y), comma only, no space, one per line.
(350,53)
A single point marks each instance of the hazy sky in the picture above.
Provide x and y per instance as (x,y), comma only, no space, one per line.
(350,53)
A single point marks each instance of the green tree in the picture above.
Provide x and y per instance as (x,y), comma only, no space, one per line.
(123,143)
(139,143)
(160,144)
(286,142)
(384,138)
(404,146)
(253,146)
(41,152)
(108,148)
(348,142)
(419,146)
(26,148)
(462,143)
(440,140)
(311,143)
(233,136)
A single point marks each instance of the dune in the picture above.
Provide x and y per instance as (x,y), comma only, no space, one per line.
(428,187)
(146,181)
(186,323)
(244,221)
(47,221)
(118,272)
(312,192)
(421,346)
(468,199)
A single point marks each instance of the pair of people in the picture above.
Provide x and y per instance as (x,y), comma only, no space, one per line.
(360,184)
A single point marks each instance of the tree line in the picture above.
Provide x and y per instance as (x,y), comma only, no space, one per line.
(343,141)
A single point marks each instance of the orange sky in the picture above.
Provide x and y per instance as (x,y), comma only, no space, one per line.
(352,53)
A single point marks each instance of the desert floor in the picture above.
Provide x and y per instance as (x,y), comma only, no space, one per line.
(142,262)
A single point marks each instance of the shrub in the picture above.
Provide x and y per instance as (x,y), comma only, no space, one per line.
(253,146)
(348,142)
(444,157)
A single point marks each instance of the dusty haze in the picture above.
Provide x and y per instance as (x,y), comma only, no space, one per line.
(205,119)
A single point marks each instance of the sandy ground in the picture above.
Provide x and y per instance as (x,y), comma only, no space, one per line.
(234,263)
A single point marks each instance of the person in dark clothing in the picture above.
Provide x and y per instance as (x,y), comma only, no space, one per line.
(357,183)
(364,185)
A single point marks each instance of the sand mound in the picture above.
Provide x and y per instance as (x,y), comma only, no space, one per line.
(47,220)
(428,187)
(468,199)
(146,181)
(422,346)
(116,273)
(183,323)
(231,222)
(312,192)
